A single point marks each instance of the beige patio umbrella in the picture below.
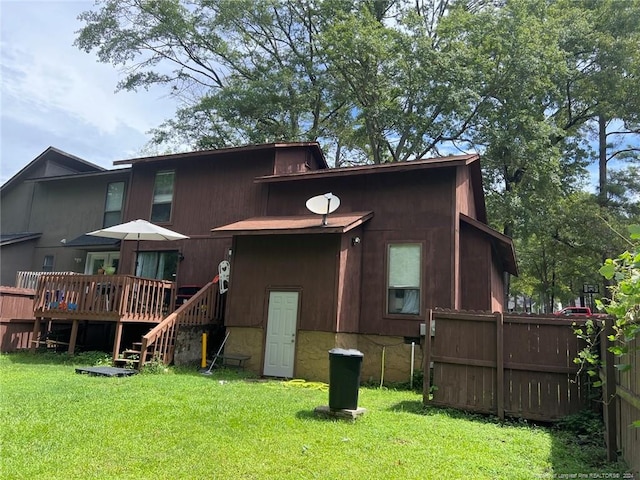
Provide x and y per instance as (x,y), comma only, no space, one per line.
(138,230)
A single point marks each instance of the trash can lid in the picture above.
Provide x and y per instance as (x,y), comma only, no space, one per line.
(351,352)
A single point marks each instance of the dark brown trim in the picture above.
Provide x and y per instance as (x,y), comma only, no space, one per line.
(313,146)
(452,161)
(300,224)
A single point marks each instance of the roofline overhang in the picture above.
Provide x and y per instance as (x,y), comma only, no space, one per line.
(26,238)
(314,146)
(319,228)
(505,243)
(105,173)
(62,153)
(439,162)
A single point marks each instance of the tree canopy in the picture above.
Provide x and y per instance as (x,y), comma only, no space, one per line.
(541,89)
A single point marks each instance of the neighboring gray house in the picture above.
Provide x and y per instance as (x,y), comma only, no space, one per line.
(48,206)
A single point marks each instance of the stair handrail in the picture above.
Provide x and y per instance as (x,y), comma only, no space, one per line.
(198,310)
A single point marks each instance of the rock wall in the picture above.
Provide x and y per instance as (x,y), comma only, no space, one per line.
(188,348)
(312,353)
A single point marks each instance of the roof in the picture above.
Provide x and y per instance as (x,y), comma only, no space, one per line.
(425,163)
(313,146)
(74,176)
(503,244)
(471,161)
(52,154)
(11,238)
(92,241)
(288,225)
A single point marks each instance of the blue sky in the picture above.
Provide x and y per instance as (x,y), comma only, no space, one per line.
(53,94)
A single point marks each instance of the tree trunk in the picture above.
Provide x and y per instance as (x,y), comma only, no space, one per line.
(602,161)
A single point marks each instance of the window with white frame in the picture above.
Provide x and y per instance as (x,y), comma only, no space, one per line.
(403,282)
(47,263)
(162,196)
(113,204)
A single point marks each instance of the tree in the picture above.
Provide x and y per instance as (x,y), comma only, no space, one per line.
(526,83)
(246,72)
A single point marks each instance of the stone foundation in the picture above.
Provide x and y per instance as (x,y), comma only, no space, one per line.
(188,348)
(312,354)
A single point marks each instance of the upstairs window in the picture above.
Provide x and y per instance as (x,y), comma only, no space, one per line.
(162,197)
(404,273)
(47,263)
(113,204)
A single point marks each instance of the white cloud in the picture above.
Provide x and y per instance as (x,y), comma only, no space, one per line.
(54,92)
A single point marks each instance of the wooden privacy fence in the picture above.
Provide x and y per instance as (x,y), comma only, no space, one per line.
(514,365)
(16,318)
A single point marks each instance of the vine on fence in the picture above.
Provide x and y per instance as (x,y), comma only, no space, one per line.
(624,302)
(623,305)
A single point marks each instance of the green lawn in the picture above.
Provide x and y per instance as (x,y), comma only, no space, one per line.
(58,424)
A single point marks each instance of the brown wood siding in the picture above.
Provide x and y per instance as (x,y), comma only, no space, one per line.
(207,193)
(294,160)
(497,286)
(475,269)
(464,193)
(304,262)
(408,207)
(348,292)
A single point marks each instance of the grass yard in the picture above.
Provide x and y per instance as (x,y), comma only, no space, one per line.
(181,424)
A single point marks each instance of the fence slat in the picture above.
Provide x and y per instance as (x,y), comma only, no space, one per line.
(504,364)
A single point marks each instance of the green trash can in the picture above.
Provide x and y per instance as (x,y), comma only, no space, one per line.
(344,378)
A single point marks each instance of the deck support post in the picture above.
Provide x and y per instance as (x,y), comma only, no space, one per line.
(73,337)
(35,335)
(117,340)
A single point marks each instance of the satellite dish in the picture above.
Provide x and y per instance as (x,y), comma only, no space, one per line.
(323,205)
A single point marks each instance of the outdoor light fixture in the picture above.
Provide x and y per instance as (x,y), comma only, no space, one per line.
(355,241)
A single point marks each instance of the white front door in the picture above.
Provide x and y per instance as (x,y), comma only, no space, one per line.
(280,345)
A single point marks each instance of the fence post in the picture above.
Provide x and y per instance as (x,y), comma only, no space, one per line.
(500,364)
(609,390)
(426,369)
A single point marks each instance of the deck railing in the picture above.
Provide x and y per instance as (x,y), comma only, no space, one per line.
(201,309)
(30,279)
(123,297)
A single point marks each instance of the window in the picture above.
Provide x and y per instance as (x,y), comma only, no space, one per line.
(162,197)
(158,265)
(113,204)
(404,272)
(47,263)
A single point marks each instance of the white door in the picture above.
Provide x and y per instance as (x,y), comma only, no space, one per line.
(280,345)
(97,260)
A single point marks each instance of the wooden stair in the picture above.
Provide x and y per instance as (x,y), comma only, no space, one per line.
(129,357)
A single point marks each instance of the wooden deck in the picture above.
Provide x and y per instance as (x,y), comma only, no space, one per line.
(117,298)
(122,298)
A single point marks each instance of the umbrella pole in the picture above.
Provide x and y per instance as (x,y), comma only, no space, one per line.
(135,272)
